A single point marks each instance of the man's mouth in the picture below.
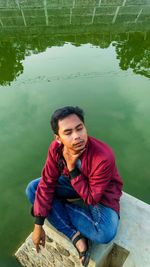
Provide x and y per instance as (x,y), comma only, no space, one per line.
(81,143)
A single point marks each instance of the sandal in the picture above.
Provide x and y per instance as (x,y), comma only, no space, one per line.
(85,253)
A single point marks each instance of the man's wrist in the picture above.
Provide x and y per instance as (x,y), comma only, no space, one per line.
(37,226)
(74,173)
(39,220)
(70,167)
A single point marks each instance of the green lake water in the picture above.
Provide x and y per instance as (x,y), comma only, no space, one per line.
(105,73)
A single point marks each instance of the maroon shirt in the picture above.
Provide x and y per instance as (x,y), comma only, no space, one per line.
(98,180)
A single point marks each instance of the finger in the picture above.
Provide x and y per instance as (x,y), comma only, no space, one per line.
(37,248)
(43,240)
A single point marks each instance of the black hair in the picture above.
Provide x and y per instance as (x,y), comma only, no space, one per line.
(64,112)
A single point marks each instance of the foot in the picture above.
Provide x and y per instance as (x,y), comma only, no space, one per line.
(81,245)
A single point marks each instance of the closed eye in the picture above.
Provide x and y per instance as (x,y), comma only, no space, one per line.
(79,128)
(67,132)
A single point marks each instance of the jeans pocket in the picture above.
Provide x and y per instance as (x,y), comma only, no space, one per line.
(96,214)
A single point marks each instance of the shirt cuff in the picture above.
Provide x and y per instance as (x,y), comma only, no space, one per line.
(74,173)
(39,220)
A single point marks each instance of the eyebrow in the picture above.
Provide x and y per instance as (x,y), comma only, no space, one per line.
(68,130)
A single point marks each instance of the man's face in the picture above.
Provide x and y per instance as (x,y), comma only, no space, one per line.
(72,133)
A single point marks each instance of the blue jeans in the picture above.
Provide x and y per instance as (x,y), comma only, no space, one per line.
(98,223)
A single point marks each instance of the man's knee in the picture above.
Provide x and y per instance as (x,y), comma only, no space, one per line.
(109,238)
(104,237)
(32,186)
(31,189)
(28,189)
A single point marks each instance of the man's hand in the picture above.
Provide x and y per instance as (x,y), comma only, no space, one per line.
(38,236)
(71,157)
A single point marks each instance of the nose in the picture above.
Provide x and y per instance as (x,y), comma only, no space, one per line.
(76,136)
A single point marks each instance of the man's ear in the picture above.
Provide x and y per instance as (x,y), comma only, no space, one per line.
(57,138)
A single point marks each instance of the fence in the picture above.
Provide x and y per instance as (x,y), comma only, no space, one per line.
(117,14)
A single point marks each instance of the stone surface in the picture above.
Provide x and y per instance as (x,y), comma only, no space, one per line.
(58,251)
(130,247)
(62,250)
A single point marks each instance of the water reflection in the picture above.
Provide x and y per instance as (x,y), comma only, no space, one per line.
(135,54)
(11,55)
(31,27)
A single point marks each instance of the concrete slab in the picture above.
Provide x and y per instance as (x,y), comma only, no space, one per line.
(130,247)
(134,230)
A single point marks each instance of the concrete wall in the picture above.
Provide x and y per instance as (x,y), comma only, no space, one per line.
(55,13)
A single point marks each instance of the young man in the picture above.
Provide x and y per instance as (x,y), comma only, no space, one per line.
(77,166)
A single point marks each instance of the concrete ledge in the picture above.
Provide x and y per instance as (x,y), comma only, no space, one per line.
(130,248)
(134,230)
